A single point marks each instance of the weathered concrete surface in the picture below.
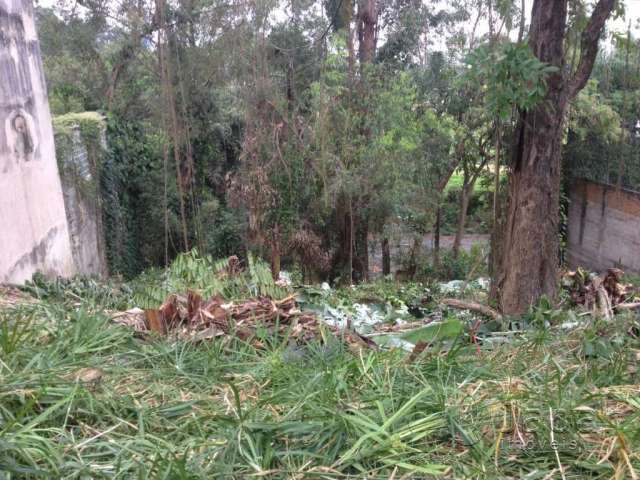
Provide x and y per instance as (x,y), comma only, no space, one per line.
(34,235)
(82,199)
(604,227)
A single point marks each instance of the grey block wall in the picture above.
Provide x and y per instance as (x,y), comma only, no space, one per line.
(604,227)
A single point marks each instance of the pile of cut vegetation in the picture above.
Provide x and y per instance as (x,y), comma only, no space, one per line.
(12,297)
(192,318)
(601,294)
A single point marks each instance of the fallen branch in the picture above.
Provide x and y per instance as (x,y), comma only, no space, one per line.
(603,302)
(627,306)
(473,306)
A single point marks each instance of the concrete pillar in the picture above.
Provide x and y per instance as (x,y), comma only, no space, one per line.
(33,230)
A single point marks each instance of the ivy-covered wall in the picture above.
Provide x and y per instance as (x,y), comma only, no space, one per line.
(80,140)
(608,163)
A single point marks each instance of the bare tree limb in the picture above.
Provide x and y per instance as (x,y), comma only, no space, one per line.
(473,306)
(627,306)
(589,46)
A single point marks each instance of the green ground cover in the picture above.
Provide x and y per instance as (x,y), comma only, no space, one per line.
(82,397)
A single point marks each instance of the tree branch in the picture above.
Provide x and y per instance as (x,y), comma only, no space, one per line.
(473,306)
(589,46)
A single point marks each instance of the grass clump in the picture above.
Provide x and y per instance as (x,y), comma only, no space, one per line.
(81,397)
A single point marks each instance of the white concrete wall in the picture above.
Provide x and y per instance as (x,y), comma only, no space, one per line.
(33,234)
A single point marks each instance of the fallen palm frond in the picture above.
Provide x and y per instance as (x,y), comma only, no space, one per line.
(191,317)
(228,277)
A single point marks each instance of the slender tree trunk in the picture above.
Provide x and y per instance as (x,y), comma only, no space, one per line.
(342,258)
(275,253)
(165,73)
(366,20)
(351,240)
(436,238)
(529,268)
(367,29)
(462,218)
(361,249)
(275,260)
(386,257)
(522,21)
(625,87)
(165,202)
(351,55)
(415,254)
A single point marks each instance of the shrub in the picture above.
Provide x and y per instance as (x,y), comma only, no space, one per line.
(472,263)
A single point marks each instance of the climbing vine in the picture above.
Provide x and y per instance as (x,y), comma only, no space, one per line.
(76,133)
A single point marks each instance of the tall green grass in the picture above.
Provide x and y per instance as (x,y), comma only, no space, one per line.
(222,409)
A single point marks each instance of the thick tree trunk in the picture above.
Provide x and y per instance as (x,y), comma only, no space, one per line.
(386,257)
(530,256)
(529,267)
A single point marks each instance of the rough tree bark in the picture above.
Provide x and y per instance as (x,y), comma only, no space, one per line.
(497,217)
(529,267)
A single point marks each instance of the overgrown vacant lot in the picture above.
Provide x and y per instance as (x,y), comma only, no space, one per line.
(83,397)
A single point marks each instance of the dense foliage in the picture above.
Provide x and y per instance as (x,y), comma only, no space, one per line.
(318,136)
(270,128)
